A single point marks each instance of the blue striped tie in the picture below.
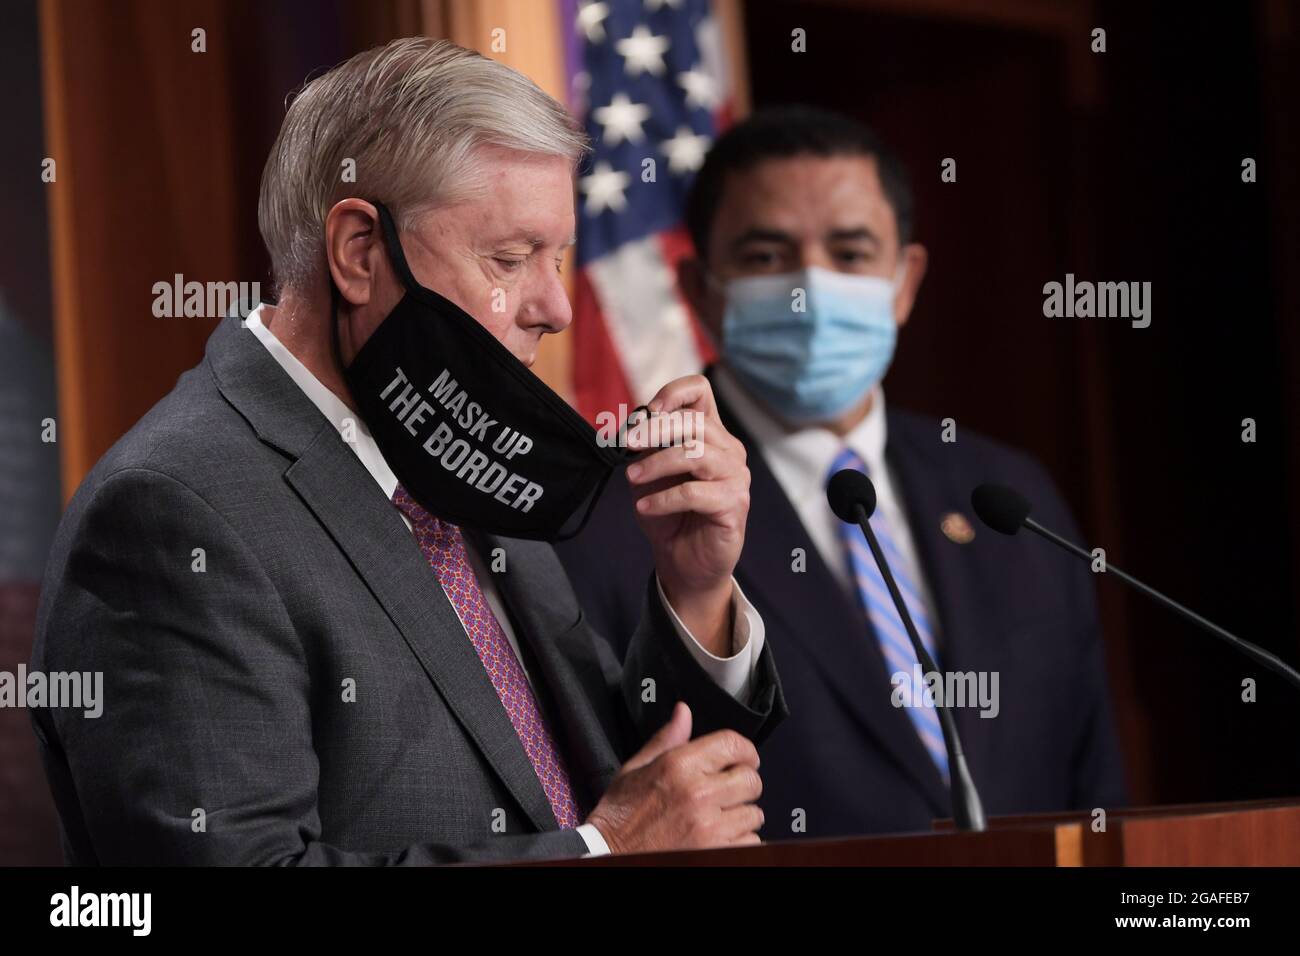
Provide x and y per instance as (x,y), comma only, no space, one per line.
(888,626)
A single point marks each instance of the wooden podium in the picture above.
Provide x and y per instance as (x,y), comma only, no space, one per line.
(1258,833)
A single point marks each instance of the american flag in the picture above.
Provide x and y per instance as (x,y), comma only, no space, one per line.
(648,80)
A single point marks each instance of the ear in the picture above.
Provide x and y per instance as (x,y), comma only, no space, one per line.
(914,258)
(354,249)
(703,299)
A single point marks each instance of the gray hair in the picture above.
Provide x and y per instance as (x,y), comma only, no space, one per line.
(410,116)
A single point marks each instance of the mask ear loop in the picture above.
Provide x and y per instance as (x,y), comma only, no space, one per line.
(628,423)
(395,253)
(396,256)
(600,488)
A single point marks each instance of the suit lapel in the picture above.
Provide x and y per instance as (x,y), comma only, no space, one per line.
(812,608)
(567,677)
(344,498)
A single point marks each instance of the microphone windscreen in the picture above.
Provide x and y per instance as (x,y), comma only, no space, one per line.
(999,507)
(847,489)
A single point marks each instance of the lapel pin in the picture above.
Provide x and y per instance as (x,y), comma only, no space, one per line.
(956,528)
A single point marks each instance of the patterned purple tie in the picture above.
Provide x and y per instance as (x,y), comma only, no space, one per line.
(444,548)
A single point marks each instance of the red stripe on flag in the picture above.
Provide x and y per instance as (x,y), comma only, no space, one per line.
(598,380)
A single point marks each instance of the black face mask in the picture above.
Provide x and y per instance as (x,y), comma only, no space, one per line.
(474,436)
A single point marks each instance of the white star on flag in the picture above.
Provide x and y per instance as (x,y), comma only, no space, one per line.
(701,89)
(622,119)
(604,189)
(591,20)
(685,150)
(643,52)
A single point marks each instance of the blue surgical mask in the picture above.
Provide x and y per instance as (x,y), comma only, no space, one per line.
(809,344)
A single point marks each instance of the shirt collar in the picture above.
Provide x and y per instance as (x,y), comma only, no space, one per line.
(802,458)
(349,425)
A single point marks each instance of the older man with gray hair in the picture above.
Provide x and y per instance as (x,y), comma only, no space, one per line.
(317,577)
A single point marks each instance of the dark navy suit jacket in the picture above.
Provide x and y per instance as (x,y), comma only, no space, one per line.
(846,760)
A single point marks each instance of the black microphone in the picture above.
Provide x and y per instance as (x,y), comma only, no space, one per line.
(852,498)
(1006,511)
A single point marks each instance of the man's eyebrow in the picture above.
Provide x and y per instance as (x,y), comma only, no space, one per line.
(761,235)
(533,240)
(849,235)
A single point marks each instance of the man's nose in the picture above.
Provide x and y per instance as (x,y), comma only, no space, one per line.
(549,306)
(815,254)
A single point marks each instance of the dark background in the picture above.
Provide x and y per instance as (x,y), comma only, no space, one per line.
(1116,166)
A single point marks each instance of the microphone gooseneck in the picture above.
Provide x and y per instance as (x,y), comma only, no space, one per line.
(1007,511)
(852,498)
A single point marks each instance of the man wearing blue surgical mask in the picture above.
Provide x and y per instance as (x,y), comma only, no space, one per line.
(805,270)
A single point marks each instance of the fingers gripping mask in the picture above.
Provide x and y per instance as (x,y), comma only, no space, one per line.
(473,435)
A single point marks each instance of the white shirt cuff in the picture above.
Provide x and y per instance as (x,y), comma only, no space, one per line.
(596,845)
(734,674)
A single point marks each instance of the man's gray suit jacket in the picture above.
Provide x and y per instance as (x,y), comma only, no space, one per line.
(285,681)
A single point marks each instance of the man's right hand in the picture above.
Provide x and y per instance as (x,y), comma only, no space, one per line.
(677,793)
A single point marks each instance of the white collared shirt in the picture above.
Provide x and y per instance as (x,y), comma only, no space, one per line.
(801,461)
(733,674)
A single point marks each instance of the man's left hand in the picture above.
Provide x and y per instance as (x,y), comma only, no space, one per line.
(692,500)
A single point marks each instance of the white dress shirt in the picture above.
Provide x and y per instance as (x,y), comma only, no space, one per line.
(733,674)
(801,461)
